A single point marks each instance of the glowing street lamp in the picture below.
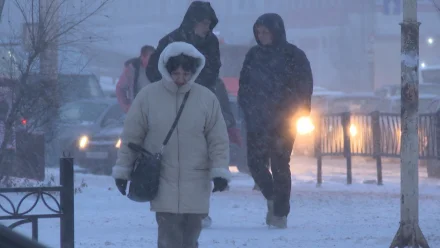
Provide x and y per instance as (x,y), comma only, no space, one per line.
(430,41)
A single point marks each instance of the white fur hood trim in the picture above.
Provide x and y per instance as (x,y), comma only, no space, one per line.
(175,49)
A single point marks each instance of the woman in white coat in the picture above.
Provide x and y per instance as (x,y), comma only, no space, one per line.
(196,154)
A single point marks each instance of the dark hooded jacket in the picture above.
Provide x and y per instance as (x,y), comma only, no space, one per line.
(136,63)
(208,46)
(276,80)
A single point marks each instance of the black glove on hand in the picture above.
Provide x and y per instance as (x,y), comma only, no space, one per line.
(220,184)
(122,185)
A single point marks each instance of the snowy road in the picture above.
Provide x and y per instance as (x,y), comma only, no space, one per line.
(335,215)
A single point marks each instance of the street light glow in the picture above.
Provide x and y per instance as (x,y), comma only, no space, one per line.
(430,41)
(423,65)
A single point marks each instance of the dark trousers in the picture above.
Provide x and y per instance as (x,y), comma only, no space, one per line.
(179,230)
(277,149)
(222,96)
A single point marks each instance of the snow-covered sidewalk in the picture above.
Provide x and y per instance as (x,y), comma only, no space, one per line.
(334,215)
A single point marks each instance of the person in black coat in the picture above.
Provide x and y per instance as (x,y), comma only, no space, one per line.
(275,88)
(196,28)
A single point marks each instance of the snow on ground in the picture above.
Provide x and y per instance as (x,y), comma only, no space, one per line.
(334,215)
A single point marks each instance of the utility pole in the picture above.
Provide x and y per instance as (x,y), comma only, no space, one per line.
(371,19)
(367,17)
(48,25)
(48,21)
(409,233)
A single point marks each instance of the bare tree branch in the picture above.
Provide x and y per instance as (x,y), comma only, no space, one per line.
(34,96)
(81,21)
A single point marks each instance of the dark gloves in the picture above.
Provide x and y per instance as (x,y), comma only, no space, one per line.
(220,184)
(122,185)
(234,136)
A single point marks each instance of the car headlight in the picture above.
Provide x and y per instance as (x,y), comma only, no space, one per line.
(304,125)
(83,142)
(118,143)
(353,130)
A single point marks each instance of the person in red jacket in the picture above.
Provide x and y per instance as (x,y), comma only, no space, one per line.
(133,78)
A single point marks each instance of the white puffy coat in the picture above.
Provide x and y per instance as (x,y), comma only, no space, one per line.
(198,150)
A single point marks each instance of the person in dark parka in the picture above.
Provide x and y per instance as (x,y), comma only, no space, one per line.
(275,88)
(196,28)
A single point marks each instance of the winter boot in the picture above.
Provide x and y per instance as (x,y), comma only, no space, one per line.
(206,222)
(278,222)
(269,214)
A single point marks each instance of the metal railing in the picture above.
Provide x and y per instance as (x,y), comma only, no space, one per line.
(64,209)
(373,135)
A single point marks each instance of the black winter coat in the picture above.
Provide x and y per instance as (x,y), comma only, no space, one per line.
(276,81)
(208,46)
(136,63)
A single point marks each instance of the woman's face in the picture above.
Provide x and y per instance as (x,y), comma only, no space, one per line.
(180,76)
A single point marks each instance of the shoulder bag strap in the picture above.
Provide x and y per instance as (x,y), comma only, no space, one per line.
(176,120)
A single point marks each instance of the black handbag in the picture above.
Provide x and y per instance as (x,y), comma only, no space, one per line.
(144,182)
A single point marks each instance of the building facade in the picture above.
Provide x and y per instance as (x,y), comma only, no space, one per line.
(352,44)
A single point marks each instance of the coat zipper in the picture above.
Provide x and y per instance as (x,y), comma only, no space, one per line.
(178,155)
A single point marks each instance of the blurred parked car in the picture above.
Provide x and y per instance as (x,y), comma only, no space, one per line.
(97,152)
(80,119)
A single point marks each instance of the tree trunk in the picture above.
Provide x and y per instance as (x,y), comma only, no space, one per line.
(49,71)
(5,166)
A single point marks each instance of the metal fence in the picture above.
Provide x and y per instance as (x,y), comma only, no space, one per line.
(64,209)
(374,135)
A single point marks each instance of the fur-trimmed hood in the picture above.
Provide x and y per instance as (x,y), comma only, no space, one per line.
(176,49)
